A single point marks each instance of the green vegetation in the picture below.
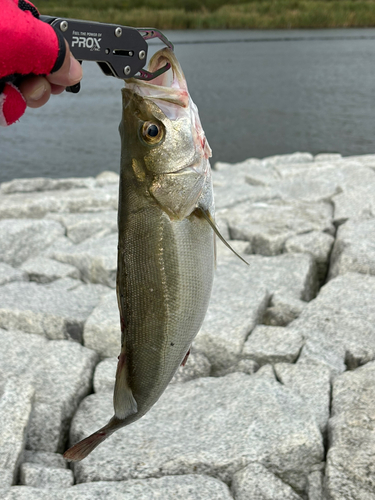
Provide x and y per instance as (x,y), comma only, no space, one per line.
(218,14)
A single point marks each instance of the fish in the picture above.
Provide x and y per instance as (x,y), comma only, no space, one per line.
(166,247)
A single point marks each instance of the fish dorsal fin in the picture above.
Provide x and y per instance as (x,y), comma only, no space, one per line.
(206,214)
(123,399)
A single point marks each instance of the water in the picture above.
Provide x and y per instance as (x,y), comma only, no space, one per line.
(259,93)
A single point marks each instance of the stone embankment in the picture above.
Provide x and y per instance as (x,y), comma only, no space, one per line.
(277,400)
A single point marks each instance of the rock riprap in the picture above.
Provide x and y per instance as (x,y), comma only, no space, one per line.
(276,399)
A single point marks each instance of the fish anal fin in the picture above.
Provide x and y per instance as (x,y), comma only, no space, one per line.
(206,214)
(123,399)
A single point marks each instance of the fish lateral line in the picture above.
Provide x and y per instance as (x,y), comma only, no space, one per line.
(207,216)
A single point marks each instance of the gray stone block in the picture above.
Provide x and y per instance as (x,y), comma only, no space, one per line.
(350,459)
(9,274)
(51,310)
(312,382)
(241,419)
(96,258)
(22,239)
(317,244)
(256,482)
(16,404)
(229,319)
(45,458)
(338,325)
(181,487)
(282,310)
(358,203)
(272,344)
(45,184)
(268,225)
(235,308)
(105,374)
(102,331)
(37,204)
(80,227)
(247,366)
(40,476)
(61,373)
(354,249)
(44,270)
(197,365)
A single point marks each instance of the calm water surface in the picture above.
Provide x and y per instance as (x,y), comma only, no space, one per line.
(259,93)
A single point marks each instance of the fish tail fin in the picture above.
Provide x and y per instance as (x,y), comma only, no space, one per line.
(123,399)
(83,448)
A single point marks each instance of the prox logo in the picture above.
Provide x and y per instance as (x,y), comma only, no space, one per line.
(86,42)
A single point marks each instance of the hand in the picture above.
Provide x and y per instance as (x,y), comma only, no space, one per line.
(38,89)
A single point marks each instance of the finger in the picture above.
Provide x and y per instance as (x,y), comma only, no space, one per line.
(70,72)
(57,89)
(36,91)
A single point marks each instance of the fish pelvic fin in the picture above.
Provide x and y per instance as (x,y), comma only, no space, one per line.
(83,448)
(206,215)
(123,400)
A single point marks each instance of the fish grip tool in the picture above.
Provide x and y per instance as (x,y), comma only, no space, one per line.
(120,51)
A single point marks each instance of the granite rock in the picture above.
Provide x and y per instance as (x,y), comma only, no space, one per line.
(354,249)
(229,320)
(39,476)
(282,310)
(36,205)
(45,458)
(51,310)
(350,460)
(45,184)
(312,382)
(317,244)
(9,274)
(102,331)
(105,374)
(16,405)
(81,226)
(265,422)
(182,487)
(197,365)
(268,225)
(256,482)
(96,258)
(44,270)
(22,239)
(338,326)
(61,373)
(272,344)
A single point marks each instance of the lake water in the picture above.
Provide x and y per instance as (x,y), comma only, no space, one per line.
(259,93)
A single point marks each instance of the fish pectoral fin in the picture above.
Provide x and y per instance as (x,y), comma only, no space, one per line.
(123,399)
(206,214)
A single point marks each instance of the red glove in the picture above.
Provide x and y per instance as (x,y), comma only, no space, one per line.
(27,46)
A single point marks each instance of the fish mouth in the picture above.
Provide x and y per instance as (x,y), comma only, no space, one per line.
(170,86)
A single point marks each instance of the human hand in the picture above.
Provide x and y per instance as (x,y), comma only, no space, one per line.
(35,60)
(38,89)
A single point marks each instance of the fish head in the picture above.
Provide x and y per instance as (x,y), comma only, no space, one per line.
(163,142)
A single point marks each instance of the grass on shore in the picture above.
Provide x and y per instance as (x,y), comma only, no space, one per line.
(218,14)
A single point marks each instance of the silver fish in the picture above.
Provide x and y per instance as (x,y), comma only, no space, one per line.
(166,241)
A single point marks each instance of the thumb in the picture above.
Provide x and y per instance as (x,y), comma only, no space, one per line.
(70,72)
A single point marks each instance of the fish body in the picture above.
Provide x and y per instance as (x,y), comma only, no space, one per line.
(166,245)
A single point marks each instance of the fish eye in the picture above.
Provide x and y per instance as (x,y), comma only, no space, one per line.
(152,132)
